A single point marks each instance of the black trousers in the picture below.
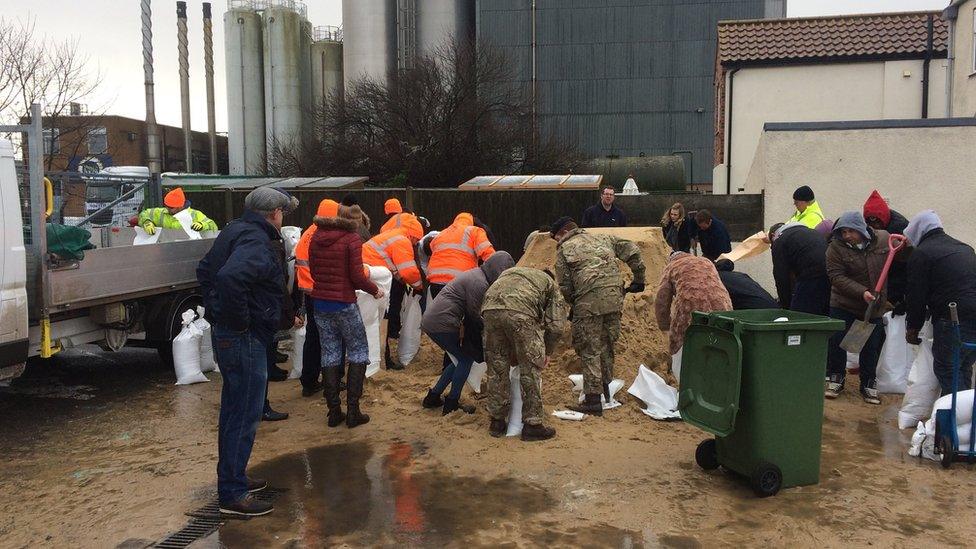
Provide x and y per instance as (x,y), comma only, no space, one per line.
(397,291)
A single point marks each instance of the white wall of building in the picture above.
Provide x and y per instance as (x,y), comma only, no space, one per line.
(821,92)
(964,72)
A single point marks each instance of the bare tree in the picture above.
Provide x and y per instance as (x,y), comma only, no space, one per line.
(38,70)
(456,114)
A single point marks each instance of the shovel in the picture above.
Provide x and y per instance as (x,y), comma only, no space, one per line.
(861,330)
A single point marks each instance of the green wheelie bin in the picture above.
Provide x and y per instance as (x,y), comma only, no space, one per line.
(755,380)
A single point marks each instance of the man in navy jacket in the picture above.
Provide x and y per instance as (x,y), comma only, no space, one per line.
(712,235)
(240,279)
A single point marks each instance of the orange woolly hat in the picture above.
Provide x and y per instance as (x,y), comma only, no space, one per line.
(392,206)
(175,198)
(328,208)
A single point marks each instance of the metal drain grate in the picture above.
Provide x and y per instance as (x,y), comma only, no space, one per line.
(197,528)
(207,519)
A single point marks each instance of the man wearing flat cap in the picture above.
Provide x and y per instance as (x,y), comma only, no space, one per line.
(241,283)
(590,281)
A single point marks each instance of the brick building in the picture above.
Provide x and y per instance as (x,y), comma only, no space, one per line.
(90,143)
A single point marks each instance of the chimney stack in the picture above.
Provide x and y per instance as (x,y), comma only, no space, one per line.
(184,83)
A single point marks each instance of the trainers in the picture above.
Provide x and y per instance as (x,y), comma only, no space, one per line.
(834,386)
(537,432)
(247,506)
(256,485)
(870,393)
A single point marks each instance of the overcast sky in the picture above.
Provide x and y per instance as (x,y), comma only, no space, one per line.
(108,31)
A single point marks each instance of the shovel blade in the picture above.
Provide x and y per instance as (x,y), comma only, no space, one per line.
(857,336)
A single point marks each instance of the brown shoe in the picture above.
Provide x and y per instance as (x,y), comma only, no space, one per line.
(498,428)
(591,405)
(537,432)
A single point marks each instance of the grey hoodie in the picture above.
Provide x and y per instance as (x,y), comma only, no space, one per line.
(920,225)
(852,220)
(461,299)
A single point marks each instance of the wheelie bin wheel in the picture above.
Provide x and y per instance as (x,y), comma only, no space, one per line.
(706,456)
(947,452)
(766,479)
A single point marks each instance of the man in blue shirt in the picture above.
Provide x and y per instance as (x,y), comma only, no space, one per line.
(713,236)
(604,214)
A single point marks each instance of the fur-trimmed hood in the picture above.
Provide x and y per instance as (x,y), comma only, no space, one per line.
(336,223)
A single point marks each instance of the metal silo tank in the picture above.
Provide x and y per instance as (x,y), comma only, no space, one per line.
(439,21)
(244,47)
(369,39)
(326,65)
(282,76)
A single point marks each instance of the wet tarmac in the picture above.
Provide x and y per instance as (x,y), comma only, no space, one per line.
(355,495)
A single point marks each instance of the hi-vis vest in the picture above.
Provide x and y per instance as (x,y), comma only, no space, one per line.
(393,250)
(302,272)
(394,222)
(456,250)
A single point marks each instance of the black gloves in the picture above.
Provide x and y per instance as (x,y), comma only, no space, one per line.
(634,288)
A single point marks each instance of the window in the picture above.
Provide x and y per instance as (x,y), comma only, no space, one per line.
(97,141)
(52,141)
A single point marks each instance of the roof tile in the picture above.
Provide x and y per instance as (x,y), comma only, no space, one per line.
(830,37)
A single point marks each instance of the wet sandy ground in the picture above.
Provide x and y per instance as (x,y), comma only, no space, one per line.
(101,450)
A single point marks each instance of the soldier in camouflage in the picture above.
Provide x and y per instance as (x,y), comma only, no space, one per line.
(523,315)
(589,279)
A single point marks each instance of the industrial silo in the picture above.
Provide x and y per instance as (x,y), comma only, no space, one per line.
(245,91)
(283,67)
(306,74)
(442,21)
(369,39)
(326,65)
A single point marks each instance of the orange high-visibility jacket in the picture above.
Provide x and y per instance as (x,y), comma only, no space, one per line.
(394,222)
(457,249)
(394,250)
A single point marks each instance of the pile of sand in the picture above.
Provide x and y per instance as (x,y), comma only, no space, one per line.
(640,340)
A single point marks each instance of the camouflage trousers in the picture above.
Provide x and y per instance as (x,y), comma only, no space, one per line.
(514,339)
(594,338)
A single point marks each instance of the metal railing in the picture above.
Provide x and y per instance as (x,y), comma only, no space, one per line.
(327,33)
(260,5)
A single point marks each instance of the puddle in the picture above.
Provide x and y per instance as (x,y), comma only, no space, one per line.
(351,494)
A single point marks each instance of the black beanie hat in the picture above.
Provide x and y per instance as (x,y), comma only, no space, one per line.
(804,193)
(559,224)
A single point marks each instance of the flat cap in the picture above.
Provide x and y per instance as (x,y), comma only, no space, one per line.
(267,199)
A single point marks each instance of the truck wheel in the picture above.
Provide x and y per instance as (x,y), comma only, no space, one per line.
(766,479)
(947,451)
(706,455)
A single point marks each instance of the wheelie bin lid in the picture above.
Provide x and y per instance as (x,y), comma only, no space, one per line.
(768,320)
(708,396)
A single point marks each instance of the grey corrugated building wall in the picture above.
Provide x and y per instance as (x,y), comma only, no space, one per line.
(622,77)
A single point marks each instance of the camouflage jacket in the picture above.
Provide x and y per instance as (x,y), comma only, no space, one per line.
(530,292)
(586,267)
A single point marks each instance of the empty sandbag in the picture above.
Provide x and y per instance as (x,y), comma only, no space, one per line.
(186,352)
(208,362)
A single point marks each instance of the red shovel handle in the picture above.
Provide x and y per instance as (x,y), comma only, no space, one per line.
(895,243)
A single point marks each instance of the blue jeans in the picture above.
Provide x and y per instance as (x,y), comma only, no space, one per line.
(342,330)
(942,349)
(450,342)
(243,366)
(870,353)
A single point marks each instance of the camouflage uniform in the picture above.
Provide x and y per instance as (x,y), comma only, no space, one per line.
(586,267)
(523,320)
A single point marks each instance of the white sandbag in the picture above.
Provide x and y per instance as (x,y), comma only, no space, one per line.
(896,357)
(372,311)
(297,351)
(922,445)
(923,387)
(661,399)
(290,237)
(143,238)
(964,408)
(186,221)
(477,376)
(615,386)
(569,415)
(186,352)
(208,362)
(411,317)
(676,365)
(853,363)
(515,415)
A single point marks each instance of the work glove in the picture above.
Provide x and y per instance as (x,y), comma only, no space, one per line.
(197,226)
(634,288)
(149,227)
(911,336)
